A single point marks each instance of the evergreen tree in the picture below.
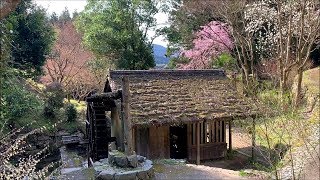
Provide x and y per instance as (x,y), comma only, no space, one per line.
(75,14)
(117,29)
(54,18)
(65,15)
(32,38)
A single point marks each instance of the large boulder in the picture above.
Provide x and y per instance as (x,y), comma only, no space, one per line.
(121,161)
(133,161)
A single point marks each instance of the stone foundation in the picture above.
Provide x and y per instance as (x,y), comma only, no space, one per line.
(119,166)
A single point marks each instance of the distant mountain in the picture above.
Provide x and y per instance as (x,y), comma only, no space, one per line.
(159,54)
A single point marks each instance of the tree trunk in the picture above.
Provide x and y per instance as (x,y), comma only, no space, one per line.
(298,95)
(243,77)
(283,86)
(282,82)
(245,80)
(253,139)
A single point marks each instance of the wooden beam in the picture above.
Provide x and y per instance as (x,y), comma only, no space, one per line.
(253,138)
(127,125)
(194,133)
(224,131)
(201,132)
(220,134)
(230,135)
(198,143)
(216,130)
(208,126)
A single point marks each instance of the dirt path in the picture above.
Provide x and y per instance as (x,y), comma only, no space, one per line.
(190,171)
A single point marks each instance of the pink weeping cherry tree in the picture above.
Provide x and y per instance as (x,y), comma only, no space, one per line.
(212,40)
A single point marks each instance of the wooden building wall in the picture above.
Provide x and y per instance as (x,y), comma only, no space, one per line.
(152,142)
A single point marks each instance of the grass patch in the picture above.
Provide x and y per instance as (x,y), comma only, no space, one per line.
(315,116)
(38,86)
(287,128)
(311,80)
(80,106)
(242,173)
(36,120)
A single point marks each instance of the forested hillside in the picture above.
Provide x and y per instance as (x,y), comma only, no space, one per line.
(159,53)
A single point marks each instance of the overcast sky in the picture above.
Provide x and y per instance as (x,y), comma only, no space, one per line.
(58,6)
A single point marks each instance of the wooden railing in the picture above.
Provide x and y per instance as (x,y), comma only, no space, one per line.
(206,140)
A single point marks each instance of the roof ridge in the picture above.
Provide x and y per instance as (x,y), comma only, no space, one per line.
(170,72)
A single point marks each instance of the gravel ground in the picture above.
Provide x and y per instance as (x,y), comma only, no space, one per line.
(190,171)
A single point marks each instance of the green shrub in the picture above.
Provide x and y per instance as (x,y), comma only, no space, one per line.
(71,113)
(54,100)
(49,112)
(16,100)
(225,61)
(271,98)
(55,95)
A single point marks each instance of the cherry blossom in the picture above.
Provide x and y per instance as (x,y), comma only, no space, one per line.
(212,40)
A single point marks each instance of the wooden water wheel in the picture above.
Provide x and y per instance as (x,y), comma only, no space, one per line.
(98,124)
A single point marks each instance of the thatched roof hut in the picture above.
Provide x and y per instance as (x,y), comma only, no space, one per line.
(171,108)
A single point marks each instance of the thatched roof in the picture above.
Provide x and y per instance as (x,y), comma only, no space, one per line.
(181,96)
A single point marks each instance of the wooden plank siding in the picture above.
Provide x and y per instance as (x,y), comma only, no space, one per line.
(142,140)
(159,143)
(153,142)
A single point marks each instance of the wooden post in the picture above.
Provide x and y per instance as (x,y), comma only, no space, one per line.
(134,140)
(230,135)
(116,129)
(198,143)
(253,138)
(189,139)
(127,126)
